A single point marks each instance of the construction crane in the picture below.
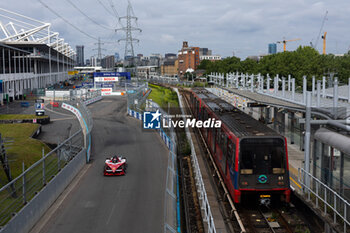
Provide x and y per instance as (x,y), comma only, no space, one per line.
(324,42)
(285,42)
(319,33)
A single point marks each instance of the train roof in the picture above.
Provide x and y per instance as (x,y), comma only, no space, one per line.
(240,123)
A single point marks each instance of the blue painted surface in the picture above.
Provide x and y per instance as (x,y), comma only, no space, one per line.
(178,204)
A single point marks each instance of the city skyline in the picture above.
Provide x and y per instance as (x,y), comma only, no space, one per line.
(232,27)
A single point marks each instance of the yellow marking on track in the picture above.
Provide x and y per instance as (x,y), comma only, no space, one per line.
(295,182)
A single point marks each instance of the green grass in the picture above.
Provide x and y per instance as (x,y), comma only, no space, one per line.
(23,148)
(19,117)
(162,96)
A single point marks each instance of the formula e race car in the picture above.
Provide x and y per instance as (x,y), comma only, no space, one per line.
(115,166)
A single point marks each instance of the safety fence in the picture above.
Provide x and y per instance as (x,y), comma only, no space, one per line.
(136,101)
(171,223)
(17,193)
(325,199)
(77,103)
(285,89)
(207,215)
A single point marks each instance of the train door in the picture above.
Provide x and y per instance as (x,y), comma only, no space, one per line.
(217,142)
(213,140)
(231,153)
(223,141)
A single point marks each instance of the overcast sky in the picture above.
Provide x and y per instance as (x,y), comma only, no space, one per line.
(243,27)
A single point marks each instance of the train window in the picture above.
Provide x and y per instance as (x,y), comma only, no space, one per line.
(262,155)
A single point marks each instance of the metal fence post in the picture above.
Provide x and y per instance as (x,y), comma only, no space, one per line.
(293,88)
(317,194)
(325,201)
(307,138)
(304,89)
(335,98)
(24,184)
(288,82)
(43,156)
(324,87)
(58,159)
(318,93)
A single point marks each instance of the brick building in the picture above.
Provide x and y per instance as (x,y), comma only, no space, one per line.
(188,58)
(170,67)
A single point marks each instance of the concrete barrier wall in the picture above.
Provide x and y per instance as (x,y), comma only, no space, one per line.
(35,209)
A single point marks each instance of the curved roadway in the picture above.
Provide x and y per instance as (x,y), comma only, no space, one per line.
(130,203)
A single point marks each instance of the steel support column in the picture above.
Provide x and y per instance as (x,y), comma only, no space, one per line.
(307,138)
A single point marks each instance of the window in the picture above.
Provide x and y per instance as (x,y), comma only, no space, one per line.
(262,156)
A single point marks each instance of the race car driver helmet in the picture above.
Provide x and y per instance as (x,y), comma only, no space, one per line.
(115,159)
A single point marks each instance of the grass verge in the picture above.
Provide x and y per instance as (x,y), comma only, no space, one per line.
(162,96)
(23,148)
(20,116)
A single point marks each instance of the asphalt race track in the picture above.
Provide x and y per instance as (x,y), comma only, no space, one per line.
(130,203)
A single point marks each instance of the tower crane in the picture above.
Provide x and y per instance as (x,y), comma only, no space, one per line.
(324,42)
(285,42)
(319,33)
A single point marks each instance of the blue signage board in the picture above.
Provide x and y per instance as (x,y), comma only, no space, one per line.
(127,75)
(106,74)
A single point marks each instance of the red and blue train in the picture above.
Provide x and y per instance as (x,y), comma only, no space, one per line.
(251,157)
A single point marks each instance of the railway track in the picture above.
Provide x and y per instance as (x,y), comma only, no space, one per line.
(264,219)
(255,218)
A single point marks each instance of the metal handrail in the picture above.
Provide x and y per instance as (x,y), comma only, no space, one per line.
(317,183)
(38,162)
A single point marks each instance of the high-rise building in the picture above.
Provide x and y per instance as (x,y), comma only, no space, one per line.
(272,48)
(116,57)
(93,61)
(108,62)
(80,55)
(188,58)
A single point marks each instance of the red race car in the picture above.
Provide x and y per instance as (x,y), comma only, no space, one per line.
(115,166)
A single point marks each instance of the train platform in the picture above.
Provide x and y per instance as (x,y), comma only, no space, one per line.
(296,161)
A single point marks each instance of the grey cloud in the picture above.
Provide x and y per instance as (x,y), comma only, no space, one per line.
(224,26)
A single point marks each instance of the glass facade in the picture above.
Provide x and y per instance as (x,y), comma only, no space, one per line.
(273,48)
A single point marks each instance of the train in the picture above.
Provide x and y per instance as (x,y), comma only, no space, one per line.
(251,157)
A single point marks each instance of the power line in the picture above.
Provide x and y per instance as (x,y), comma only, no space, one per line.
(65,20)
(103,5)
(92,20)
(58,15)
(113,8)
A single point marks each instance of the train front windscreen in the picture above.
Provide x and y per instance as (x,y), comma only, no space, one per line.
(262,156)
